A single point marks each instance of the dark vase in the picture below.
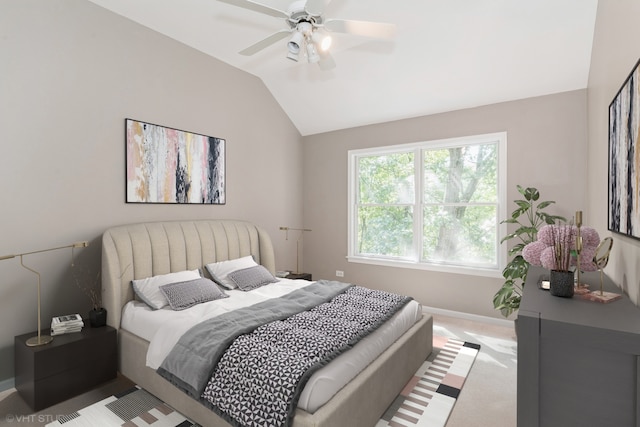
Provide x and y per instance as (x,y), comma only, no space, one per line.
(561,283)
(98,317)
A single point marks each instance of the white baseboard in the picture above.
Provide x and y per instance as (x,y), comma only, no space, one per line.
(7,384)
(468,316)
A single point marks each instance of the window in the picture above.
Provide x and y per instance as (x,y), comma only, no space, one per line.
(432,205)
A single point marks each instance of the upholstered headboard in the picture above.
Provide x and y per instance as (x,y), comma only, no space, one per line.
(143,250)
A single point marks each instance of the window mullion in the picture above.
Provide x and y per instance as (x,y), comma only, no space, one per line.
(418,205)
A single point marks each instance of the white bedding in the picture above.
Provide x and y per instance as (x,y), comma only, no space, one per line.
(163,328)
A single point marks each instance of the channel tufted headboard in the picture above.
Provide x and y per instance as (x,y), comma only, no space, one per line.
(142,250)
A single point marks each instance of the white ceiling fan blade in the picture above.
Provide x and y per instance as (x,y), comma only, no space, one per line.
(255,48)
(326,62)
(378,30)
(257,7)
(316,7)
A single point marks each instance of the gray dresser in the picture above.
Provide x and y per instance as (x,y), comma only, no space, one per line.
(578,361)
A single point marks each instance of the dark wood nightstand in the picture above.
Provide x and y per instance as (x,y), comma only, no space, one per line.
(70,365)
(303,276)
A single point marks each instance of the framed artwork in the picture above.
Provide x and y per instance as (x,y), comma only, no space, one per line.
(624,158)
(166,165)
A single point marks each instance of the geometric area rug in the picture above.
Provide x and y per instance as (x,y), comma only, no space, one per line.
(428,398)
(130,408)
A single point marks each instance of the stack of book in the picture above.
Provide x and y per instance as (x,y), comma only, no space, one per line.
(66,324)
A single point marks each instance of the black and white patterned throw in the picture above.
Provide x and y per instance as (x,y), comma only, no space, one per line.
(259,378)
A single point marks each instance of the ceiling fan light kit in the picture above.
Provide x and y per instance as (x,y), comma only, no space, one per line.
(307,27)
(294,43)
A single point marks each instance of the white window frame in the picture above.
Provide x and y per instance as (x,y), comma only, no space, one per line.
(499,137)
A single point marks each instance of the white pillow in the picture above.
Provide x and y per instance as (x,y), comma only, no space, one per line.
(220,270)
(148,290)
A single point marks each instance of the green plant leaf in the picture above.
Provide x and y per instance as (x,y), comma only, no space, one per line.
(529,216)
(507,237)
(517,268)
(509,221)
(526,230)
(535,194)
(550,219)
(543,205)
(516,249)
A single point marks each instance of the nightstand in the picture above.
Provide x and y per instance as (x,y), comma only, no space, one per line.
(70,365)
(303,276)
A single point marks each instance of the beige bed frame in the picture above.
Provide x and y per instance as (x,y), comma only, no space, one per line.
(147,249)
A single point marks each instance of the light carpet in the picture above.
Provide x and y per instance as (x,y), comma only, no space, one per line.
(429,397)
(131,408)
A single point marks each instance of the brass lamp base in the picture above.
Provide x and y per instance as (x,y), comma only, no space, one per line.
(39,340)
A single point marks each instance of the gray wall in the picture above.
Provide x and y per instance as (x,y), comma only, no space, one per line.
(615,51)
(546,148)
(71,72)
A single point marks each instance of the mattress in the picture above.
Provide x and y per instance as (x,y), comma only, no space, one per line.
(163,328)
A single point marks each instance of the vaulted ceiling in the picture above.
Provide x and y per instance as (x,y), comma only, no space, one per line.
(446,54)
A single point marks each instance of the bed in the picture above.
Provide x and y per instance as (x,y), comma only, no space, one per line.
(143,250)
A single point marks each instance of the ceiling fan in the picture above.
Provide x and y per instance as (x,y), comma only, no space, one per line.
(308,28)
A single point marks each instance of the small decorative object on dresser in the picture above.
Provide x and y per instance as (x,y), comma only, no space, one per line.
(561,278)
(601,259)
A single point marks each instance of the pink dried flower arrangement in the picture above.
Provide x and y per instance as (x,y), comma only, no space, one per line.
(555,248)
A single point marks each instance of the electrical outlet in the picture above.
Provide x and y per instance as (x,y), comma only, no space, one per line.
(339,273)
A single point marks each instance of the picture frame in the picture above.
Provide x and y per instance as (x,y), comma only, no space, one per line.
(624,158)
(172,166)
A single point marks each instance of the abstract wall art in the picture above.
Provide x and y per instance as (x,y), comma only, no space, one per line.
(166,165)
(624,158)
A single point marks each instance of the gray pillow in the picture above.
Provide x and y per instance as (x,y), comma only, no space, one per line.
(252,277)
(183,295)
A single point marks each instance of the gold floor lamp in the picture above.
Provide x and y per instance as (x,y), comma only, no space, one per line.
(42,339)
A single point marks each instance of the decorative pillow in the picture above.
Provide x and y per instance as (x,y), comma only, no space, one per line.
(183,295)
(220,270)
(148,290)
(252,277)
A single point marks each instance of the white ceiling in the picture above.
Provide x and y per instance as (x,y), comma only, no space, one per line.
(447,54)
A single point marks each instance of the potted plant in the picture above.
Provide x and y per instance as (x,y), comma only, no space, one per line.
(561,277)
(97,314)
(528,216)
(556,250)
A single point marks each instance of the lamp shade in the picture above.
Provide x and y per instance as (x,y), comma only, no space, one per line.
(295,42)
(312,53)
(322,41)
